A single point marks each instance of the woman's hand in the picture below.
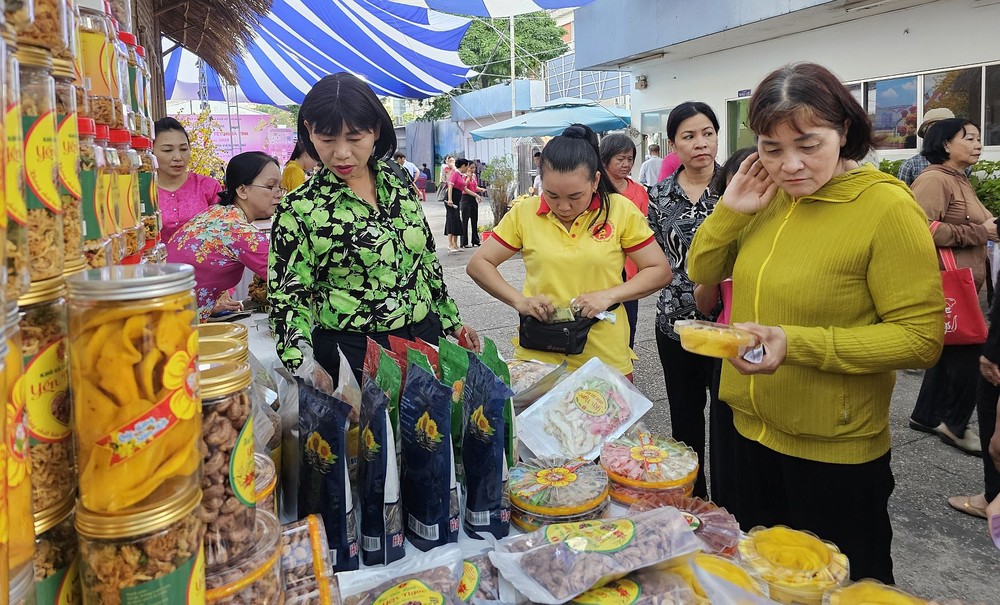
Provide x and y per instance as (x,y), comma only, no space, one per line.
(468,338)
(991,228)
(751,189)
(539,307)
(706,298)
(775,348)
(990,371)
(226,303)
(592,303)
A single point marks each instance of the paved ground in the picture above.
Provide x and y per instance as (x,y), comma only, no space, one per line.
(937,552)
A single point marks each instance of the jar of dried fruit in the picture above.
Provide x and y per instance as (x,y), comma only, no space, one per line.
(146,123)
(153,555)
(149,205)
(69,53)
(120,76)
(46,253)
(20,14)
(129,211)
(18,274)
(227,482)
(21,546)
(4,517)
(68,156)
(76,42)
(121,11)
(47,399)
(107,186)
(50,29)
(255,578)
(133,83)
(96,234)
(97,61)
(265,482)
(133,359)
(57,577)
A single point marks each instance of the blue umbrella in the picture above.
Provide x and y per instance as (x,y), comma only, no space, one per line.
(550,119)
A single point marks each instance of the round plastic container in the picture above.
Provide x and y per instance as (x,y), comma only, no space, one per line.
(641,465)
(265,483)
(133,353)
(47,396)
(870,592)
(804,578)
(107,187)
(529,521)
(255,578)
(719,567)
(56,547)
(18,275)
(129,213)
(68,156)
(714,339)
(46,255)
(555,490)
(228,475)
(96,236)
(214,350)
(21,585)
(149,205)
(223,329)
(152,555)
(50,29)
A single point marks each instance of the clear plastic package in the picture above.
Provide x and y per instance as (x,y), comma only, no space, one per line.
(640,464)
(714,339)
(797,566)
(870,592)
(557,489)
(715,526)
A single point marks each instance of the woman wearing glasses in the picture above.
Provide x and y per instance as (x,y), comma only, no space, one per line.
(221,240)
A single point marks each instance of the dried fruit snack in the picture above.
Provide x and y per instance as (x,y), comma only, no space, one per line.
(480,579)
(429,578)
(870,592)
(703,572)
(714,339)
(557,486)
(647,587)
(641,464)
(719,530)
(796,565)
(305,561)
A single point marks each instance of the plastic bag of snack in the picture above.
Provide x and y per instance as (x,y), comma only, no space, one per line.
(425,578)
(403,347)
(349,392)
(713,577)
(288,410)
(491,357)
(530,380)
(305,562)
(385,371)
(646,587)
(487,506)
(454,362)
(480,580)
(430,492)
(595,404)
(380,503)
(324,485)
(561,561)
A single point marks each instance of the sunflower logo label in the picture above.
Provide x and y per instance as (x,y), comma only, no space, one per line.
(555,477)
(619,592)
(370,446)
(135,436)
(428,435)
(480,425)
(319,455)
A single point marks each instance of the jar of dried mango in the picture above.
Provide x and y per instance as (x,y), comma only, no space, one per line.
(21,546)
(107,186)
(57,577)
(47,398)
(228,479)
(133,360)
(129,213)
(18,276)
(50,29)
(68,159)
(151,555)
(38,118)
(96,234)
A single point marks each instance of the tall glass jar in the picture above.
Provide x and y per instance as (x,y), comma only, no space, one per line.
(56,571)
(152,220)
(76,41)
(120,11)
(96,234)
(147,122)
(133,357)
(68,156)
(46,252)
(18,274)
(119,71)
(97,61)
(50,29)
(107,185)
(20,14)
(47,398)
(4,509)
(133,83)
(129,212)
(22,537)
(22,586)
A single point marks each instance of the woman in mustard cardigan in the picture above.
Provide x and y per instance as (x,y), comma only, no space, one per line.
(834,270)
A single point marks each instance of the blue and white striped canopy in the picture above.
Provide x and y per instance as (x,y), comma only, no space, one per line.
(402,48)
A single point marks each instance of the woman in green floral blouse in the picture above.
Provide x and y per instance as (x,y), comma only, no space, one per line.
(352,255)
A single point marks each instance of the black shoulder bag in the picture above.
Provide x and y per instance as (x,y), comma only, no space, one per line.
(565,337)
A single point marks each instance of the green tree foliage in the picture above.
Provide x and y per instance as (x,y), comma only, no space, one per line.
(486,48)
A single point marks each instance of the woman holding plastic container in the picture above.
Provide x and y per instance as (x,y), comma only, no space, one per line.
(574,240)
(182,193)
(352,256)
(834,271)
(221,240)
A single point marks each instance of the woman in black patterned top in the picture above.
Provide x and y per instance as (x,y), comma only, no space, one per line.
(677,207)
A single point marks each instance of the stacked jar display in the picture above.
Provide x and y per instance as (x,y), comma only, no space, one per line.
(107,186)
(55,563)
(96,232)
(133,351)
(18,275)
(147,103)
(129,212)
(50,30)
(154,251)
(134,85)
(4,515)
(68,157)
(21,536)
(46,252)
(20,14)
(119,70)
(99,65)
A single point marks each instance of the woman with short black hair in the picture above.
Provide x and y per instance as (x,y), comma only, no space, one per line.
(352,256)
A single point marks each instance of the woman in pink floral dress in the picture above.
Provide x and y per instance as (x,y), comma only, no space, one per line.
(182,193)
(221,240)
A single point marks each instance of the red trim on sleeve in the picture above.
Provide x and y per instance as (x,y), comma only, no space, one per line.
(503,243)
(640,245)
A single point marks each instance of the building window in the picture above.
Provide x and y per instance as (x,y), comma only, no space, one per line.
(892,105)
(652,122)
(737,125)
(991,125)
(959,90)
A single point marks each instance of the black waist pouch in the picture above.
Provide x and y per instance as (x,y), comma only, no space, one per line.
(565,337)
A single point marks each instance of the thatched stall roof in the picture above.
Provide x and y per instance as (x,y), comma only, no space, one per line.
(216,30)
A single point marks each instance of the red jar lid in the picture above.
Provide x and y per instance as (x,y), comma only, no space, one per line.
(128,38)
(119,136)
(87,127)
(141,51)
(102,132)
(141,143)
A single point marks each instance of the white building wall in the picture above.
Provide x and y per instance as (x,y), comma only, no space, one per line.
(940,35)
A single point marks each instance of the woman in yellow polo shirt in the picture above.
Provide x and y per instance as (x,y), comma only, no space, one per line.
(574,240)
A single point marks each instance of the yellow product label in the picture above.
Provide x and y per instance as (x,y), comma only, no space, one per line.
(46,394)
(17,210)
(126,218)
(4,534)
(68,136)
(40,161)
(107,184)
(17,443)
(649,454)
(593,536)
(97,59)
(411,591)
(470,581)
(241,466)
(196,587)
(555,477)
(591,403)
(619,592)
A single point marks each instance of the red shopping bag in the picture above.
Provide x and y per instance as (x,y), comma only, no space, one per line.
(964,323)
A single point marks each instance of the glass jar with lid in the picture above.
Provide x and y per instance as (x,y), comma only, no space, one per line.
(21,536)
(133,83)
(22,586)
(96,234)
(132,334)
(50,29)
(68,157)
(146,122)
(129,212)
(56,547)
(119,73)
(97,64)
(46,253)
(255,578)
(107,185)
(149,205)
(20,14)
(47,398)
(18,274)
(121,11)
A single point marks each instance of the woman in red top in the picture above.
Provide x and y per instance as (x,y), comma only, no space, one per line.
(456,185)
(618,155)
